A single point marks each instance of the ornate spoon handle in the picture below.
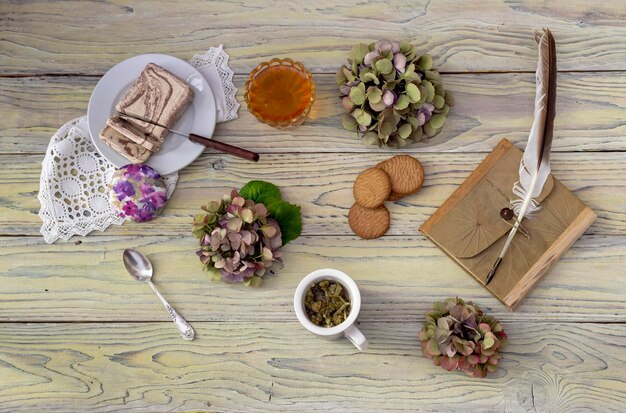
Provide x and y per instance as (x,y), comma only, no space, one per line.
(186,331)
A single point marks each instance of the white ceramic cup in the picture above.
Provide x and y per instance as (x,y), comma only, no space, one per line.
(346,328)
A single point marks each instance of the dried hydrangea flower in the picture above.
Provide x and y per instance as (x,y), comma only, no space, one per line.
(458,335)
(238,241)
(389,75)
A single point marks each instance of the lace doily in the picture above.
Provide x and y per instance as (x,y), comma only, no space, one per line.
(73,189)
(214,67)
(74,176)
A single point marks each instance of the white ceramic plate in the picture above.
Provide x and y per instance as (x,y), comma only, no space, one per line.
(177,151)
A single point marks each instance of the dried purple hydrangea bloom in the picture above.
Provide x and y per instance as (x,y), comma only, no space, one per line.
(238,240)
(389,98)
(369,58)
(424,113)
(399,62)
(459,335)
(383,46)
(387,75)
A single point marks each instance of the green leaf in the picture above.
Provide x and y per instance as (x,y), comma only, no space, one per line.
(254,281)
(370,77)
(437,120)
(432,75)
(362,117)
(211,207)
(438,101)
(489,340)
(412,120)
(287,215)
(374,94)
(289,219)
(430,90)
(370,138)
(423,93)
(348,74)
(358,52)
(449,99)
(247,215)
(425,62)
(261,192)
(405,130)
(200,219)
(464,347)
(492,368)
(429,130)
(384,66)
(416,135)
(405,46)
(340,77)
(198,232)
(402,102)
(410,56)
(432,347)
(378,106)
(357,96)
(214,273)
(386,128)
(348,122)
(413,92)
(390,77)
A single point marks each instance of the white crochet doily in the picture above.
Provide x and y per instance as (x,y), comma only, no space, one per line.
(214,67)
(74,176)
(73,188)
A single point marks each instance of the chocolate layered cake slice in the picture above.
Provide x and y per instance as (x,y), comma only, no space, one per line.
(124,146)
(134,133)
(159,96)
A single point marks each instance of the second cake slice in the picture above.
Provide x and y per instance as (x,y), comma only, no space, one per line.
(135,134)
(124,146)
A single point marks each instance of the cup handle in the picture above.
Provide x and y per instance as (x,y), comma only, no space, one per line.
(356,337)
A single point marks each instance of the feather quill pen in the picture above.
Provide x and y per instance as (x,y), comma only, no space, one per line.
(535,164)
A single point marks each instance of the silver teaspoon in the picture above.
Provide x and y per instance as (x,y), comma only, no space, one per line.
(140,268)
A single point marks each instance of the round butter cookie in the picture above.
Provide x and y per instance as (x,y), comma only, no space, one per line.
(369,223)
(372,188)
(406,175)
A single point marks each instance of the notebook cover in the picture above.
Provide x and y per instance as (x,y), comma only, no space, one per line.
(468,227)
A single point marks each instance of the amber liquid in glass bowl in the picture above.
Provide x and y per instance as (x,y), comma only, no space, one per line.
(280,93)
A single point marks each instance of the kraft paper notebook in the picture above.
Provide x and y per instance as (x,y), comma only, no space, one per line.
(469,228)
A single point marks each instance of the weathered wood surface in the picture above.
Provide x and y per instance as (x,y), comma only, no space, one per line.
(399,278)
(598,179)
(78,334)
(478,35)
(262,366)
(590,117)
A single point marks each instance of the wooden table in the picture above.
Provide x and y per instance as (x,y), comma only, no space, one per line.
(77,334)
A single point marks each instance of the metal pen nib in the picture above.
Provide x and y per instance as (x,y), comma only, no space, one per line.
(493,271)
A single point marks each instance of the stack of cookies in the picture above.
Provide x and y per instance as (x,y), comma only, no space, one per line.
(390,180)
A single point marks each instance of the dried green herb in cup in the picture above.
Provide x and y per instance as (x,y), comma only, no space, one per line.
(327,303)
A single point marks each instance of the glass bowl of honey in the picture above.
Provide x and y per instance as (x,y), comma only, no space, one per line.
(280,93)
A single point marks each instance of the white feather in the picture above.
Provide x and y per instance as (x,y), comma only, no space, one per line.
(535,164)
(528,165)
